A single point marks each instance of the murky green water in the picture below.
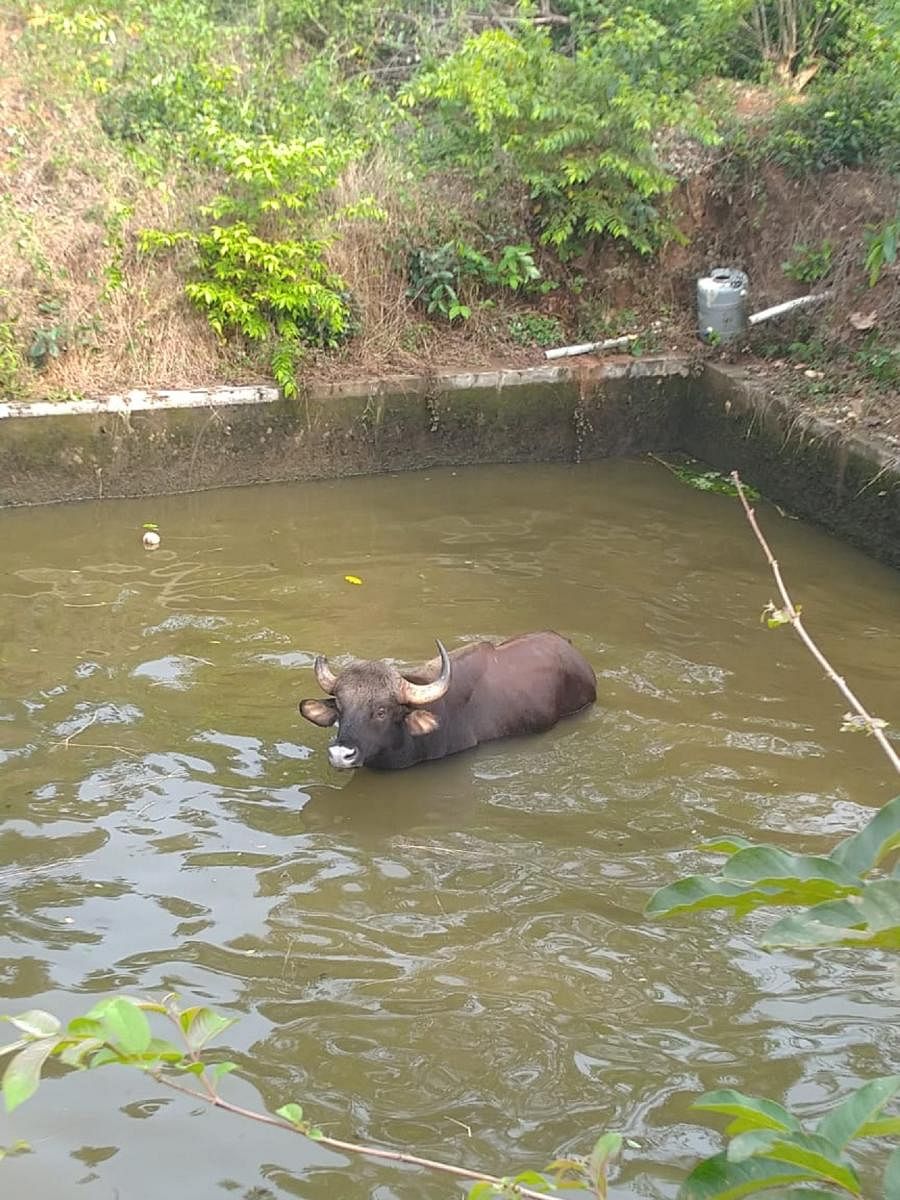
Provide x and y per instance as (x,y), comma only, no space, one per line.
(451,959)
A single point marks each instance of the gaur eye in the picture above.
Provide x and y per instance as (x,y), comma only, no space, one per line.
(380,713)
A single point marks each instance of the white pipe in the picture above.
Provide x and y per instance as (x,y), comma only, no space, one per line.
(587,347)
(777,309)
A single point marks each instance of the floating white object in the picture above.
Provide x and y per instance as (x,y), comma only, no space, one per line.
(151,540)
(587,347)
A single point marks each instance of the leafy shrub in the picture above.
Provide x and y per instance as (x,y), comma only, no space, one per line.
(436,276)
(881,248)
(809,264)
(254,275)
(434,281)
(879,363)
(534,329)
(849,119)
(576,131)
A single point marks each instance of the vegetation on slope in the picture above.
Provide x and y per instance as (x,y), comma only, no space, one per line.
(207,190)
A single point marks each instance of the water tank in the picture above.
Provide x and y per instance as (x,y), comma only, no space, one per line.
(722,304)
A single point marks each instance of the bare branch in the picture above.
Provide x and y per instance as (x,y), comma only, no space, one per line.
(874,725)
(213,1098)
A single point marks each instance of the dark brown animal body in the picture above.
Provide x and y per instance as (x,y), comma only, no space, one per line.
(389,720)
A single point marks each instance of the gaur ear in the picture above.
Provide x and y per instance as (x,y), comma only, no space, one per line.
(420,721)
(320,712)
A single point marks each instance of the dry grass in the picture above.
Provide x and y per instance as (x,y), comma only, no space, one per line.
(396,334)
(61,236)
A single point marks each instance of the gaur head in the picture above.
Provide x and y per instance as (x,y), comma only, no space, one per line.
(374,708)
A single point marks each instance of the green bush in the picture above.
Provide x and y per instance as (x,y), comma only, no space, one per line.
(850,119)
(436,276)
(534,329)
(577,131)
(881,247)
(809,264)
(260,267)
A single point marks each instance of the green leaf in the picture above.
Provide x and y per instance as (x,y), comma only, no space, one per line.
(12,1046)
(871,918)
(201,1025)
(607,1146)
(892,1176)
(756,1112)
(480,1189)
(716,1178)
(75,1053)
(801,1193)
(292,1113)
(866,849)
(729,844)
(809,1152)
(696,892)
(104,1056)
(23,1074)
(530,1179)
(883,1127)
(36,1023)
(80,1027)
(804,875)
(127,1028)
(844,1123)
(165,1051)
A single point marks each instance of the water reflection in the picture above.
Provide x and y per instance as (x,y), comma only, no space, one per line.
(453,957)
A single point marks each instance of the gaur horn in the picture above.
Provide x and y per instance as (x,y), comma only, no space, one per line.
(427,693)
(326,678)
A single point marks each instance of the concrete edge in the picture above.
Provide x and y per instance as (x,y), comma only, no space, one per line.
(805,426)
(586,370)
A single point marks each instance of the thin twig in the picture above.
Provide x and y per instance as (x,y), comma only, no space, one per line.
(88,723)
(103,746)
(873,724)
(213,1098)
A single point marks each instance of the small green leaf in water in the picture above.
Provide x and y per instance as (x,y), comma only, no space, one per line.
(710,481)
(292,1113)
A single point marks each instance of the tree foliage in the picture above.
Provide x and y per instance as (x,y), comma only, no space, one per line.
(260,267)
(576,129)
